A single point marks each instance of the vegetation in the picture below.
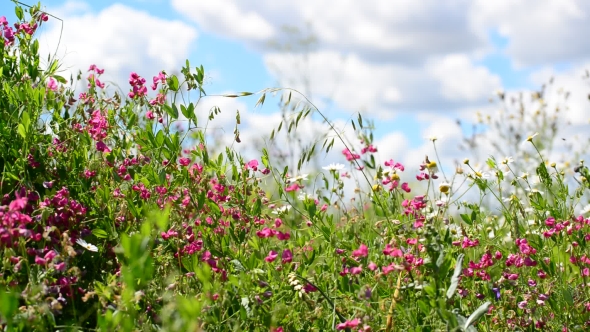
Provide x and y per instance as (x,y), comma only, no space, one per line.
(111,218)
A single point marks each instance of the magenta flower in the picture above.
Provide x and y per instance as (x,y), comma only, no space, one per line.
(184,161)
(252,164)
(356,270)
(52,84)
(272,255)
(100,146)
(362,251)
(287,256)
(349,324)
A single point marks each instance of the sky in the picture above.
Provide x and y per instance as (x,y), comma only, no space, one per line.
(414,67)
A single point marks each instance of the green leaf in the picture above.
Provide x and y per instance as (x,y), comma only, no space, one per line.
(21,130)
(185,111)
(25,119)
(466,218)
(172,83)
(482,310)
(100,233)
(160,138)
(8,306)
(19,13)
(455,277)
(60,79)
(169,110)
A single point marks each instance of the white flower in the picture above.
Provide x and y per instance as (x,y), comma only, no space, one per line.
(530,138)
(507,160)
(86,245)
(282,209)
(433,138)
(302,177)
(333,167)
(305,196)
(586,209)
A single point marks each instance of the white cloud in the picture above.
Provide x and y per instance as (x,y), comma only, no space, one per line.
(461,80)
(538,31)
(119,39)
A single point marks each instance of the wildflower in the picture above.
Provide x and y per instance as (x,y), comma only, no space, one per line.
(444,188)
(301,177)
(530,138)
(184,161)
(432,138)
(272,255)
(348,324)
(52,84)
(252,164)
(281,210)
(362,251)
(287,256)
(507,160)
(333,167)
(431,165)
(87,246)
(406,187)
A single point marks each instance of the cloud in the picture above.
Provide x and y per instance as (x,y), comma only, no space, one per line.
(381,90)
(461,80)
(538,32)
(380,30)
(118,38)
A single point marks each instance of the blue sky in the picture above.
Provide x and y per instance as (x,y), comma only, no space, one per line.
(413,66)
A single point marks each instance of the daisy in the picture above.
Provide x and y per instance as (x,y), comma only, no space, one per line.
(301,177)
(333,167)
(530,138)
(282,209)
(87,246)
(507,160)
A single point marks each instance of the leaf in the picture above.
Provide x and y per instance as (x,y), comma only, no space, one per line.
(19,13)
(21,130)
(172,82)
(60,79)
(169,110)
(455,277)
(482,310)
(100,233)
(466,219)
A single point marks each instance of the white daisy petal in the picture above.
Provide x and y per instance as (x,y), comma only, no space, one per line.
(87,246)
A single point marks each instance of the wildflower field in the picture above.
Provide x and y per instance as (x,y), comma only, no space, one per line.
(113,218)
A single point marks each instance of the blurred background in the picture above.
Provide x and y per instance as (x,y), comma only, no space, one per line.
(419,69)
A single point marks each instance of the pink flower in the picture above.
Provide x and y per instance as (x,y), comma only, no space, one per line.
(100,146)
(184,161)
(283,236)
(406,187)
(356,270)
(362,251)
(392,251)
(287,256)
(372,266)
(52,84)
(252,164)
(349,324)
(292,187)
(272,255)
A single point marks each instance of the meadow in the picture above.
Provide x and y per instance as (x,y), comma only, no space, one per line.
(112,218)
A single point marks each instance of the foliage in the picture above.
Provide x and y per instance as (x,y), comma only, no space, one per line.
(109,220)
